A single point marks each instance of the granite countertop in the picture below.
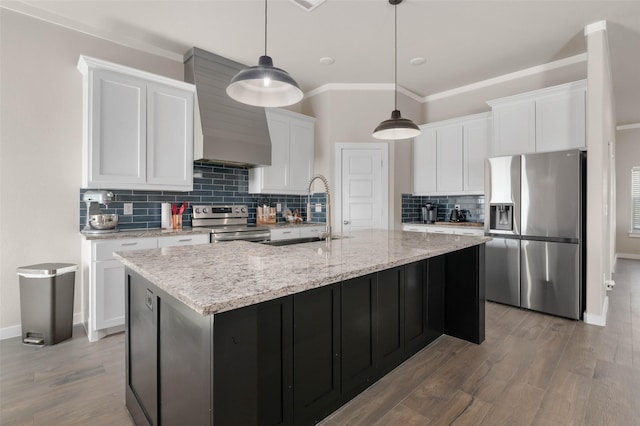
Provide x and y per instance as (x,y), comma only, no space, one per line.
(465,224)
(225,276)
(146,233)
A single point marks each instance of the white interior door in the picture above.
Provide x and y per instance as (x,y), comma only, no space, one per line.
(363,185)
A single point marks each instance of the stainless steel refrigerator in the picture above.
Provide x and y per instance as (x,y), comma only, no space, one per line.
(534,210)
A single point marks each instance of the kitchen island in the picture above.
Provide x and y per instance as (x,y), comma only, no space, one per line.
(245,333)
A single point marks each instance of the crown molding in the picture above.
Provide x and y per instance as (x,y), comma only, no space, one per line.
(508,77)
(628,126)
(52,18)
(362,87)
(595,27)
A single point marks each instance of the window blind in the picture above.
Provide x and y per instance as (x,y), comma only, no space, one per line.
(635,199)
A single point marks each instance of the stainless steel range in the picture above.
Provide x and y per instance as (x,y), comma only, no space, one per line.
(228,223)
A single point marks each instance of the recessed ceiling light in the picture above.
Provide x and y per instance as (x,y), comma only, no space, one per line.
(417,61)
(327,60)
(308,5)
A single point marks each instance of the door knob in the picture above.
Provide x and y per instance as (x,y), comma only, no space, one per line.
(346,222)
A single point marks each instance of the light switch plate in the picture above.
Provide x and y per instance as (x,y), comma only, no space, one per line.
(318,208)
(128,208)
(457,206)
(278,207)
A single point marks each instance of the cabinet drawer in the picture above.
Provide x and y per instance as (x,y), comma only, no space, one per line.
(442,230)
(474,232)
(183,240)
(414,228)
(284,234)
(311,231)
(103,250)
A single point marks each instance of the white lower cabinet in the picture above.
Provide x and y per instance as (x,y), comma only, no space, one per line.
(449,229)
(104,280)
(294,232)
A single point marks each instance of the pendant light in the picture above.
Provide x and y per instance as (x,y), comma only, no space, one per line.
(264,85)
(396,127)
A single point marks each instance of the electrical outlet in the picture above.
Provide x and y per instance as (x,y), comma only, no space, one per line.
(278,207)
(457,206)
(128,208)
(318,208)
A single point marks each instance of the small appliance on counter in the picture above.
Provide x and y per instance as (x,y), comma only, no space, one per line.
(97,221)
(429,213)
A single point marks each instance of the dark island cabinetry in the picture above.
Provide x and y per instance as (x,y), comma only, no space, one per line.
(295,359)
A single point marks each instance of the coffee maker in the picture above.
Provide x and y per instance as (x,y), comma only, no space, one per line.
(429,213)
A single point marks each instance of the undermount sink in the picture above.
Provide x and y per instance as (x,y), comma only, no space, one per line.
(301,240)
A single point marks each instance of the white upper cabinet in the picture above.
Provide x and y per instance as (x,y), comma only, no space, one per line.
(424,162)
(138,129)
(448,156)
(292,139)
(477,144)
(551,119)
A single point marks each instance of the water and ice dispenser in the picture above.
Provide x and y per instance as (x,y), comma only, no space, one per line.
(501,217)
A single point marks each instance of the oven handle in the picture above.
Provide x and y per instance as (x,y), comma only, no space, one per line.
(244,236)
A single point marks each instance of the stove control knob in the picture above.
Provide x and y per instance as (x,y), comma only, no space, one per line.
(197,210)
(243,209)
(237,210)
(205,210)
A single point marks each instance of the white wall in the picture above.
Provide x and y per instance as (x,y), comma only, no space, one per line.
(600,173)
(40,145)
(627,156)
(347,116)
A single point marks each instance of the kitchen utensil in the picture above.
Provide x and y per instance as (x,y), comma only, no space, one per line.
(103,221)
(455,216)
(183,207)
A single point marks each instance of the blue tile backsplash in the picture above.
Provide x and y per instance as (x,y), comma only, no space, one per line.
(212,184)
(412,206)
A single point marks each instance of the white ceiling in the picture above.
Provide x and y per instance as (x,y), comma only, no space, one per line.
(463,41)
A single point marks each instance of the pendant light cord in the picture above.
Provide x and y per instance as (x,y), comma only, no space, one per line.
(265,27)
(395,50)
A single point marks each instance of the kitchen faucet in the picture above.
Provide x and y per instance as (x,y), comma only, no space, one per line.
(327,230)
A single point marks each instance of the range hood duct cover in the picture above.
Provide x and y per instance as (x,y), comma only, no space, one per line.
(232,132)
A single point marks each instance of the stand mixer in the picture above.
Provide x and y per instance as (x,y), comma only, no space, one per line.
(97,222)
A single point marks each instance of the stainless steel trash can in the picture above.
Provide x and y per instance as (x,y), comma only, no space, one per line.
(46,302)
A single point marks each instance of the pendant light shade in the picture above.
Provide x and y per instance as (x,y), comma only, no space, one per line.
(264,85)
(396,127)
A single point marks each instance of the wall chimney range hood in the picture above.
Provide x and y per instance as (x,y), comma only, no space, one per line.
(225,131)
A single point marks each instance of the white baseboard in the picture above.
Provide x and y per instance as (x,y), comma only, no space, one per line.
(16,330)
(628,256)
(601,319)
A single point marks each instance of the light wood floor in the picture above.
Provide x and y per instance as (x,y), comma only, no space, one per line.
(532,369)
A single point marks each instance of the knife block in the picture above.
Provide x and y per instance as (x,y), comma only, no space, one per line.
(266,216)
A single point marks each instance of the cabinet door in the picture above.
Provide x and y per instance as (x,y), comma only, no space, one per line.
(253,367)
(141,342)
(169,137)
(359,330)
(514,129)
(449,155)
(275,177)
(415,307)
(117,130)
(560,121)
(390,342)
(435,298)
(424,163)
(300,155)
(316,353)
(109,298)
(477,140)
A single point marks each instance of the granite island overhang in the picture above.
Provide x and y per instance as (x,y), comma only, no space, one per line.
(258,334)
